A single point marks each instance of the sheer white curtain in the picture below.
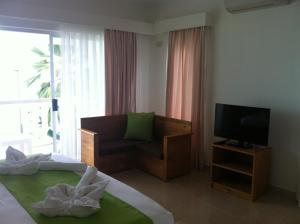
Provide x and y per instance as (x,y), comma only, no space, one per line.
(83,84)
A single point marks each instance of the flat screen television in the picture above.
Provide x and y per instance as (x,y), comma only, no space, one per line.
(244,124)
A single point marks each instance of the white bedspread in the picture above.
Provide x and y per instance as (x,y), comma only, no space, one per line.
(12,212)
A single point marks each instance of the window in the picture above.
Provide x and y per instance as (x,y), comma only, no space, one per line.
(29,82)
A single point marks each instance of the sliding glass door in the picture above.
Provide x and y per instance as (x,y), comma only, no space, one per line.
(30,75)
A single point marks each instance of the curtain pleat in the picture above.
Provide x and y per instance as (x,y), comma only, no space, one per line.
(120,71)
(187,68)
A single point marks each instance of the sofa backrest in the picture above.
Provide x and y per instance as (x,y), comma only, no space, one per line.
(113,127)
(109,127)
(170,126)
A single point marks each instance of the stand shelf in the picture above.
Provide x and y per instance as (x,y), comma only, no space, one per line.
(236,167)
(242,172)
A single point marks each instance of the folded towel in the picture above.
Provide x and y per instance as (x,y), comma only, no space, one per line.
(52,165)
(80,201)
(39,157)
(17,163)
(22,168)
(13,154)
(88,177)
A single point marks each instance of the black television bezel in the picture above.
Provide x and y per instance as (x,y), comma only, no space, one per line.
(241,141)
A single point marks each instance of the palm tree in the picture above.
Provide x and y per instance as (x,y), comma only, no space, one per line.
(42,73)
(42,69)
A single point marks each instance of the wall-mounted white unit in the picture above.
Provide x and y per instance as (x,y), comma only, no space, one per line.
(238,6)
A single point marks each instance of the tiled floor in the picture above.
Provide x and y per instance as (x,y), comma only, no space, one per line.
(192,201)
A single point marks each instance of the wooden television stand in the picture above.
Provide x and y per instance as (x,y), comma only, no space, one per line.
(242,172)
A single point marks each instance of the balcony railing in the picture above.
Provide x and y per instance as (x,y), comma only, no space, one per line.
(25,124)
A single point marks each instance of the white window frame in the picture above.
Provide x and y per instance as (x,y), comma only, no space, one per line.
(52,34)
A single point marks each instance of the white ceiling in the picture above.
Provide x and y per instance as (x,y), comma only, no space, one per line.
(143,10)
(173,8)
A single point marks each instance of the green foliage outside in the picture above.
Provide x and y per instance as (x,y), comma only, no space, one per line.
(42,68)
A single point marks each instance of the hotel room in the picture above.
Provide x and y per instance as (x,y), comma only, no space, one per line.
(149,111)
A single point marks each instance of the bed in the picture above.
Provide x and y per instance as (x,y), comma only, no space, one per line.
(12,212)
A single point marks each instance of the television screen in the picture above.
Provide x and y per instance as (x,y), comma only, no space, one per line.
(245,124)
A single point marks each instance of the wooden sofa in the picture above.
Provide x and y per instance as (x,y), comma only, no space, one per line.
(167,156)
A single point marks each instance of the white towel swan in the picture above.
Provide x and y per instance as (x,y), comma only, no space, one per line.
(13,154)
(52,165)
(17,163)
(79,201)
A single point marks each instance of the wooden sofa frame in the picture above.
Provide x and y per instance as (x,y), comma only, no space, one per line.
(174,134)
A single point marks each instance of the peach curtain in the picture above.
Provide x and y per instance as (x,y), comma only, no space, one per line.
(120,72)
(187,68)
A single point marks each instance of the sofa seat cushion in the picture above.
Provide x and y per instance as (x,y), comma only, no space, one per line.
(119,146)
(154,148)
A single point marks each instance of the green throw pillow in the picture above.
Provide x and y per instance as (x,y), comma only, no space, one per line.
(139,126)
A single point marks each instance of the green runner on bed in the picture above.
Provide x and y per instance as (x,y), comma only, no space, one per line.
(30,189)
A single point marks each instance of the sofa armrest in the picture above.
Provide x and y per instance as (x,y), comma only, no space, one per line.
(89,147)
(177,146)
(87,132)
(177,154)
(177,135)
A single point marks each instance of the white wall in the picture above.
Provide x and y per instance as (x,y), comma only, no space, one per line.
(151,73)
(175,8)
(257,63)
(144,49)
(182,22)
(158,71)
